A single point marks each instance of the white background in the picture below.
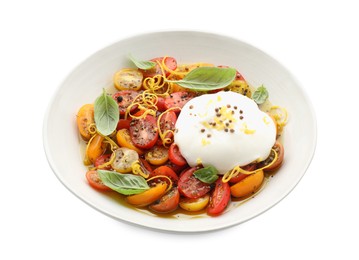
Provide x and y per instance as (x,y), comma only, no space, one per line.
(42,41)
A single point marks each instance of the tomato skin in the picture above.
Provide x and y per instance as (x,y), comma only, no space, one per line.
(168,123)
(124,98)
(101,160)
(95,181)
(144,132)
(248,186)
(170,62)
(168,203)
(123,124)
(85,117)
(149,196)
(175,155)
(194,204)
(96,148)
(124,140)
(128,79)
(161,104)
(241,176)
(178,99)
(278,147)
(190,187)
(220,198)
(166,171)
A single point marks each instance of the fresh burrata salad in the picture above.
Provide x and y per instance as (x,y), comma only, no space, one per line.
(192,137)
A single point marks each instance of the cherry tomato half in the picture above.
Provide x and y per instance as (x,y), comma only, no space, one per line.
(219,198)
(168,202)
(149,196)
(167,123)
(102,160)
(144,132)
(85,117)
(170,62)
(124,98)
(190,187)
(241,176)
(95,181)
(157,155)
(178,99)
(175,155)
(165,171)
(278,147)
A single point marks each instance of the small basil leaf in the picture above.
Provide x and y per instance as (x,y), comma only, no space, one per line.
(207,78)
(260,95)
(142,64)
(207,174)
(106,114)
(126,184)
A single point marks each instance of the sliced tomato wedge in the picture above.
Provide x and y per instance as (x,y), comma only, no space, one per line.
(124,99)
(144,132)
(219,198)
(190,187)
(102,160)
(175,155)
(168,123)
(170,62)
(178,99)
(241,176)
(168,202)
(95,181)
(165,171)
(278,147)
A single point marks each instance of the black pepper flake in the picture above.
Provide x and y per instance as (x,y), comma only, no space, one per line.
(209,135)
(191,107)
(119,99)
(216,109)
(235,107)
(203,130)
(232,130)
(241,117)
(226,130)
(218,114)
(228,106)
(241,111)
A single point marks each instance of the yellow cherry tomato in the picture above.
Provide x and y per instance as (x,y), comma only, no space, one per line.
(248,186)
(124,139)
(124,158)
(95,149)
(241,87)
(194,204)
(157,155)
(128,79)
(85,117)
(149,196)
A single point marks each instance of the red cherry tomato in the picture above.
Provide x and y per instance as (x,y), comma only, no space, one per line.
(123,124)
(178,99)
(95,181)
(241,176)
(190,187)
(165,171)
(101,160)
(167,123)
(278,147)
(168,203)
(124,98)
(160,104)
(219,198)
(170,62)
(144,132)
(175,155)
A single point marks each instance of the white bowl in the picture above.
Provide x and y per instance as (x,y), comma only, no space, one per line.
(86,82)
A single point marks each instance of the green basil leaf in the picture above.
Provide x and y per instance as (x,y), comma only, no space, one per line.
(142,64)
(106,114)
(207,78)
(126,184)
(207,174)
(260,95)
